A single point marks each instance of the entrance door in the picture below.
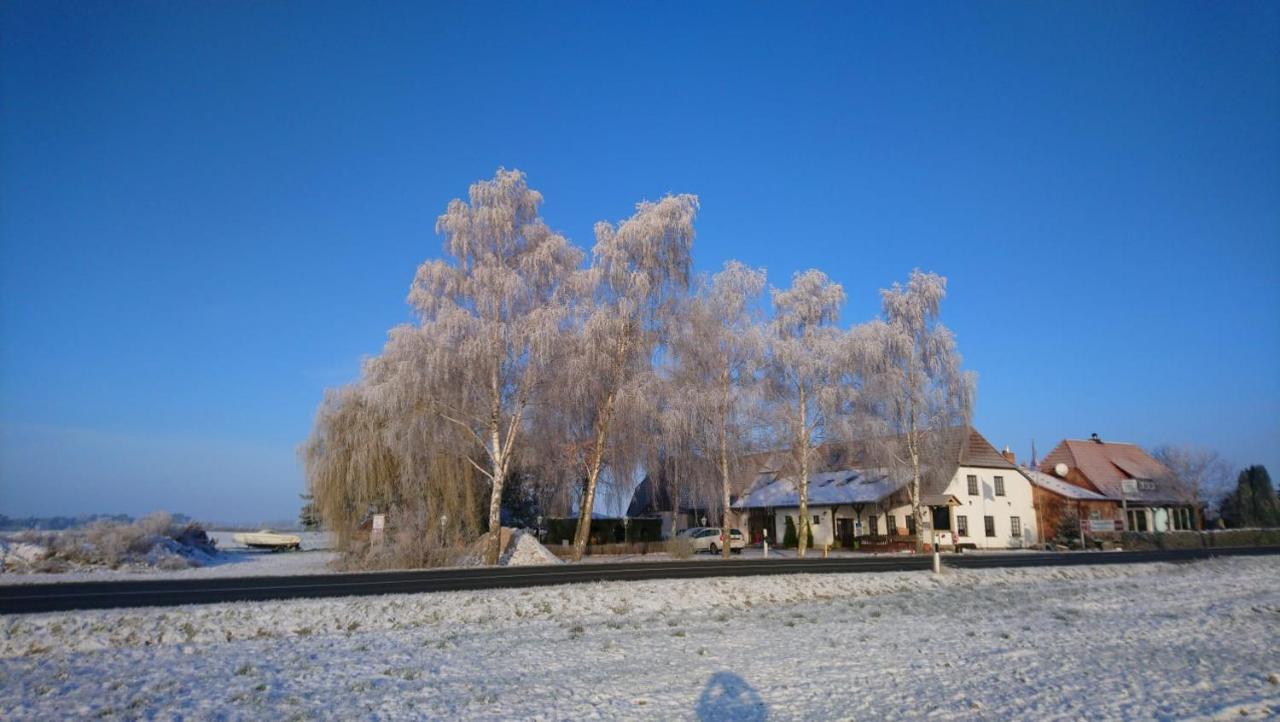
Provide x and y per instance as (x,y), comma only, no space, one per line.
(941,517)
(844,528)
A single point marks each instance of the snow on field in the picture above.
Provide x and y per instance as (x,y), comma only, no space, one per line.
(233,560)
(1133,642)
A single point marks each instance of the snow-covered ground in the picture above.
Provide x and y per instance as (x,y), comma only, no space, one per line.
(233,560)
(1107,642)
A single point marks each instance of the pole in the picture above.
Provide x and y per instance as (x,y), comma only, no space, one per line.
(1080,516)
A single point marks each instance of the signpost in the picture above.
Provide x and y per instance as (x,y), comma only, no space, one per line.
(1127,488)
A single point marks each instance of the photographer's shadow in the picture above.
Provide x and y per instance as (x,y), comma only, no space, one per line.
(728,697)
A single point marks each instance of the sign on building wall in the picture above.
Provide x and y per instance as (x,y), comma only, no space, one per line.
(1105,525)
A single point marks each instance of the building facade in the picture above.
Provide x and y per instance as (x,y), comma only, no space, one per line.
(1152,499)
(985,504)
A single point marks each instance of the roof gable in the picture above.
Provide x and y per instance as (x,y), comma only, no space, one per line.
(975,450)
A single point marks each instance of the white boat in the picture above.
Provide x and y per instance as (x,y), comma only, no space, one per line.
(267,539)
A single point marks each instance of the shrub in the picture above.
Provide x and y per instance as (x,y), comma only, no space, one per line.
(680,547)
(413,540)
(153,541)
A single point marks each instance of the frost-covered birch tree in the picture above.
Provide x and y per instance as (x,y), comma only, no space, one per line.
(924,399)
(490,314)
(639,269)
(804,375)
(717,352)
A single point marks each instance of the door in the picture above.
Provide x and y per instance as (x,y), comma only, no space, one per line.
(844,528)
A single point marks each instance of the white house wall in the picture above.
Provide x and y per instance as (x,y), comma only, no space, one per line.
(1016,502)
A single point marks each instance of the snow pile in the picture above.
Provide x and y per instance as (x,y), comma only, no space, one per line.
(525,549)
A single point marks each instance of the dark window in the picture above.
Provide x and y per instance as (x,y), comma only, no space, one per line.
(999,486)
(890,525)
(962,525)
(816,520)
(1015,527)
(874,525)
(911,523)
(973,485)
(990,523)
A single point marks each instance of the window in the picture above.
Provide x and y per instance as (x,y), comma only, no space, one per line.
(1095,515)
(1146,485)
(890,525)
(874,525)
(973,485)
(962,526)
(911,523)
(1137,520)
(999,486)
(990,523)
(817,520)
(1015,527)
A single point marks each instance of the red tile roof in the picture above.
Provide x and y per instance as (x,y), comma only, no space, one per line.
(1104,465)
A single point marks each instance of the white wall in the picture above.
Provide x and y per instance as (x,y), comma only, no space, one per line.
(823,531)
(1016,502)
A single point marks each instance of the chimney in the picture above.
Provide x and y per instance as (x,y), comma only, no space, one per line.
(1008,455)
(1094,438)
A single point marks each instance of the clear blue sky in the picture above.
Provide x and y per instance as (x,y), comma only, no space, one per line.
(209,212)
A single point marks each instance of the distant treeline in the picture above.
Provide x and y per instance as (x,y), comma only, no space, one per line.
(54,523)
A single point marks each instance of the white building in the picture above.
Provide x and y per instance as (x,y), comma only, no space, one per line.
(987,504)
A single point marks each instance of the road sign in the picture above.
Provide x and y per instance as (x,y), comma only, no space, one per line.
(1129,487)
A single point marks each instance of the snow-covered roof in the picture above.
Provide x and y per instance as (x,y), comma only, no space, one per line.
(830,488)
(1060,487)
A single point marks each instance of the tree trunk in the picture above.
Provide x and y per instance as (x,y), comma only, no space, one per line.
(595,462)
(493,547)
(725,526)
(915,493)
(802,485)
(724,490)
(498,459)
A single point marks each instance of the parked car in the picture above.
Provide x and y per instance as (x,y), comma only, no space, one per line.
(708,539)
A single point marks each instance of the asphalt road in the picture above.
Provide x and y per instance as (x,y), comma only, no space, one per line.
(33,598)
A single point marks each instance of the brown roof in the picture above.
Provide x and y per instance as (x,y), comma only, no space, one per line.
(977,451)
(1104,465)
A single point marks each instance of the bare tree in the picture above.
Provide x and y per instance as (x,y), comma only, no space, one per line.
(923,398)
(805,381)
(639,269)
(1202,472)
(717,347)
(489,318)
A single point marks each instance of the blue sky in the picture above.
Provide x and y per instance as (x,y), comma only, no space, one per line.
(209,212)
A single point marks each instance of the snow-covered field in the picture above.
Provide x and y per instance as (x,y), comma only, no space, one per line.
(1109,642)
(233,560)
